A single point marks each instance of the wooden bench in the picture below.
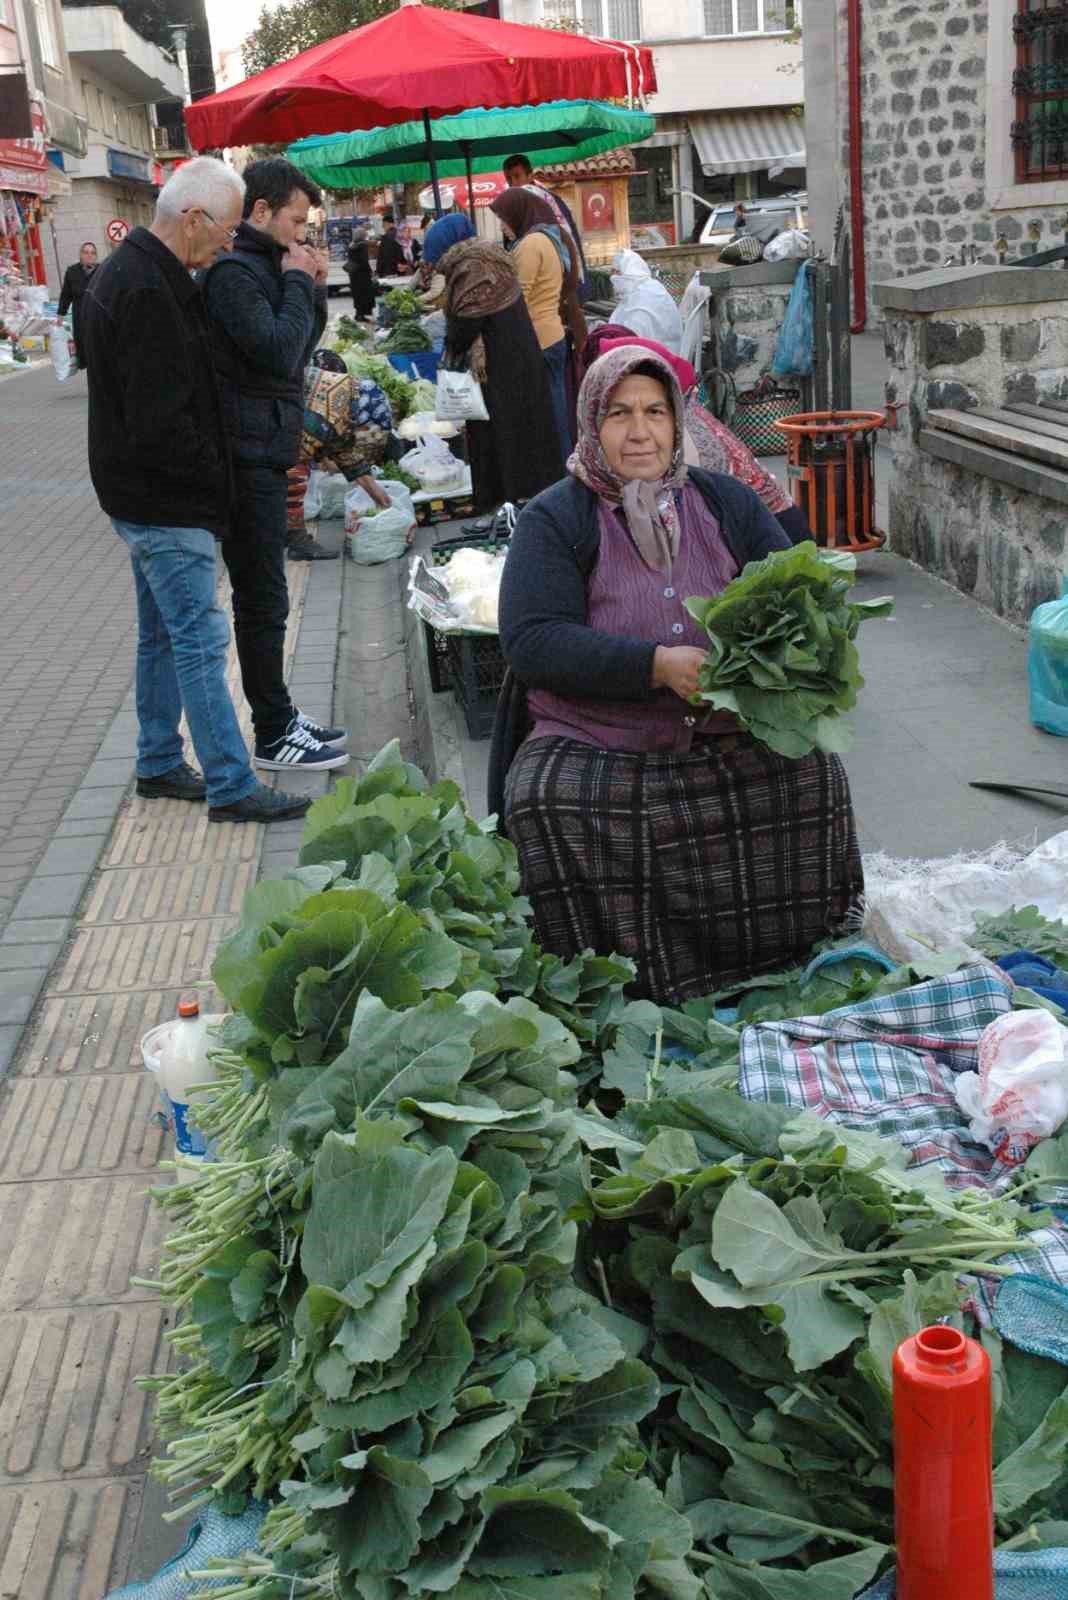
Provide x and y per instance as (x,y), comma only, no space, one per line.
(1024,446)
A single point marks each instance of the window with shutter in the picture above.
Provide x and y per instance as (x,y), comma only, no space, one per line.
(1039,131)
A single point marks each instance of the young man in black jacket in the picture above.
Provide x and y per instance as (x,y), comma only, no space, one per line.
(159,464)
(267,304)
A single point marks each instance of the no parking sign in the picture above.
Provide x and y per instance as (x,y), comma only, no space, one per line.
(117,229)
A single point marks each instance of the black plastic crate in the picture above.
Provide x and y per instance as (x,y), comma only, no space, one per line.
(477,668)
(438,655)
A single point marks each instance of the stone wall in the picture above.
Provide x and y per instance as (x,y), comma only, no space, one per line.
(746,313)
(925,114)
(1004,545)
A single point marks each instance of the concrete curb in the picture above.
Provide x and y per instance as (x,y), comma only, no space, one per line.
(45,912)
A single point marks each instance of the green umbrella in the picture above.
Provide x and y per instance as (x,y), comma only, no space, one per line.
(473,141)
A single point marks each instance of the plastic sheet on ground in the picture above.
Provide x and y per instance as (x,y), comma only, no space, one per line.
(1040,1575)
(914,907)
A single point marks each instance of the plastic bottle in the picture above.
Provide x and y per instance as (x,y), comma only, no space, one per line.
(943,1475)
(183,1063)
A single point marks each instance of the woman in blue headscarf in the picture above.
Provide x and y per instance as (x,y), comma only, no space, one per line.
(488,332)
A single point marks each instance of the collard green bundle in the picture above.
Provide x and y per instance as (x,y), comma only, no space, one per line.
(781,654)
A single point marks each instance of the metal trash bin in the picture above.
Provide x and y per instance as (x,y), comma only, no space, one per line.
(830,464)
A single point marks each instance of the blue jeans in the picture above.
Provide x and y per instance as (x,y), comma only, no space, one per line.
(555,358)
(182,635)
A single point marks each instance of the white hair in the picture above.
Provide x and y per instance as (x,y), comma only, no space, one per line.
(201,182)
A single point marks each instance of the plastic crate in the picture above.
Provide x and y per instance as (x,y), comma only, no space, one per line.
(477,668)
(470,663)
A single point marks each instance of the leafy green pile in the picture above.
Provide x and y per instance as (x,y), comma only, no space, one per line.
(380,1322)
(499,1288)
(349,333)
(777,1263)
(1023,929)
(397,474)
(403,304)
(408,337)
(781,655)
(399,391)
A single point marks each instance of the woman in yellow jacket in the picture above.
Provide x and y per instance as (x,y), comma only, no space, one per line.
(545,264)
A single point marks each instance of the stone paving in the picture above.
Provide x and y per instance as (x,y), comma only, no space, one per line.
(66,618)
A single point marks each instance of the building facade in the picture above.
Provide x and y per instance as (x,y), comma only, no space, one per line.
(727,105)
(40,126)
(962,140)
(120,78)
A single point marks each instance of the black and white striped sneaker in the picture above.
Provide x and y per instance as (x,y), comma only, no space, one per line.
(338,737)
(298,750)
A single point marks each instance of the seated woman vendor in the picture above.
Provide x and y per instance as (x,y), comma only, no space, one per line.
(644,824)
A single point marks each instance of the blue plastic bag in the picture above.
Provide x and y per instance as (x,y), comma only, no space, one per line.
(212,1535)
(1047,664)
(793,348)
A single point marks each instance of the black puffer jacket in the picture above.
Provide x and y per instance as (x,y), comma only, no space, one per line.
(267,323)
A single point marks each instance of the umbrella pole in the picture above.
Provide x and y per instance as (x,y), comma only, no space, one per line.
(433,164)
(470,180)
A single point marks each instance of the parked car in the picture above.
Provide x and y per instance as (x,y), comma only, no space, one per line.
(790,211)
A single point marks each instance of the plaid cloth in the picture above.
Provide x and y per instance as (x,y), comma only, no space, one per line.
(296,489)
(705,868)
(886,1066)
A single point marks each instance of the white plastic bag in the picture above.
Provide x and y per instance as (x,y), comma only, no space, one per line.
(459,398)
(793,245)
(333,490)
(359,506)
(64,354)
(434,464)
(1019,1096)
(382,537)
(643,304)
(313,499)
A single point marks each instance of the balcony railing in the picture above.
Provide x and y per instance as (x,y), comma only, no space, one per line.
(170,141)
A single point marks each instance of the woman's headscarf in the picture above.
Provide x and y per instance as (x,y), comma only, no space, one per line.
(444,233)
(525,213)
(649,508)
(529,213)
(404,239)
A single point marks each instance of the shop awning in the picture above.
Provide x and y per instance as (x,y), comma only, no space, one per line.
(747,141)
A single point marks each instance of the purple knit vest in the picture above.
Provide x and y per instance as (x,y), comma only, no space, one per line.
(627,598)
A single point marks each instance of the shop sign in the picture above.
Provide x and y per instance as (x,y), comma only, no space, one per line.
(123,165)
(487,186)
(24,162)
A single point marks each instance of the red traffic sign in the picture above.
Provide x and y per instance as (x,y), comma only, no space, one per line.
(117,229)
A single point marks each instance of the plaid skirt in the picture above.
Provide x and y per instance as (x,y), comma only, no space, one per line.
(705,868)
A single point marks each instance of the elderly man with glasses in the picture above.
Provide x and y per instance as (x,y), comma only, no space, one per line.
(160,467)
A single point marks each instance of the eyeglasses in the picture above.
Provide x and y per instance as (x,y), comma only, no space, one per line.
(231,232)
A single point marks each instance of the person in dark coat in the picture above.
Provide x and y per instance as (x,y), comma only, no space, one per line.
(267,303)
(159,465)
(361,281)
(75,282)
(489,333)
(391,262)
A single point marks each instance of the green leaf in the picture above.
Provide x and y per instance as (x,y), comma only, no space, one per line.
(752,1238)
(1038,1463)
(378,1530)
(249,1289)
(371,1213)
(840,1579)
(531,1533)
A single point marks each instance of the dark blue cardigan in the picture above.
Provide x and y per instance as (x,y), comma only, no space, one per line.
(544,634)
(545,637)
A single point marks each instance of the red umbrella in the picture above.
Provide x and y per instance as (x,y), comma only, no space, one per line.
(417,59)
